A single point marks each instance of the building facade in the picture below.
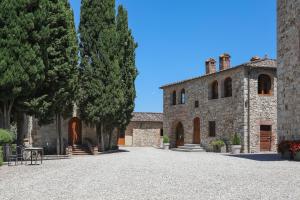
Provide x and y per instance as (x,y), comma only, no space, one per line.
(144,129)
(240,100)
(288,53)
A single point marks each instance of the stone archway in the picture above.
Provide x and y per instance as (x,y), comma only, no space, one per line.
(179,134)
(75,131)
(196,137)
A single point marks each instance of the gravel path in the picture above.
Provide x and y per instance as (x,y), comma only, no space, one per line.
(148,173)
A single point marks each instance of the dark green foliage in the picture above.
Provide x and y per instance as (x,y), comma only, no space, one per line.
(5,137)
(21,67)
(236,140)
(126,53)
(101,95)
(58,45)
(1,155)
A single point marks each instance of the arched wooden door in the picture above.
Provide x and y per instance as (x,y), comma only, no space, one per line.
(179,134)
(74,131)
(197,139)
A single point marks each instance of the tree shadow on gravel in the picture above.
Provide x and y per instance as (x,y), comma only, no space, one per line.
(259,157)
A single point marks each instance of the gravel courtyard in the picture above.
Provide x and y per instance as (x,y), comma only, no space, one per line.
(148,173)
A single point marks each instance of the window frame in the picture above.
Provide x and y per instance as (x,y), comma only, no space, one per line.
(264,85)
(228,87)
(212,128)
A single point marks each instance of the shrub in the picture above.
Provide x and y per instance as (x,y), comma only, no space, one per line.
(217,145)
(5,137)
(1,155)
(165,139)
(236,140)
(295,147)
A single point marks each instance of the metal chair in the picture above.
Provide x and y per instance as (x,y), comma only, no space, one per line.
(15,154)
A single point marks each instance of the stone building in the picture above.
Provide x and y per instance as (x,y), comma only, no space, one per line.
(145,129)
(288,53)
(241,100)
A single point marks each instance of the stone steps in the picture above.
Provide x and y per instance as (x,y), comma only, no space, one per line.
(189,148)
(79,150)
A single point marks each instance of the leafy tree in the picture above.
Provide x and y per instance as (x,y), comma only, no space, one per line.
(101,94)
(21,67)
(126,54)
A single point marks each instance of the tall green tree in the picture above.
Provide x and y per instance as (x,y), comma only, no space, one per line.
(126,54)
(59,53)
(101,90)
(21,68)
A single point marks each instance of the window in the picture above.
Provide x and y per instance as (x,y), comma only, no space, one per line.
(182,96)
(161,132)
(214,90)
(212,129)
(174,98)
(228,87)
(196,104)
(264,84)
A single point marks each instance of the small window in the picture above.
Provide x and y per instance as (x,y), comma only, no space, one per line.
(264,84)
(212,129)
(214,90)
(182,96)
(228,87)
(196,104)
(174,98)
(161,132)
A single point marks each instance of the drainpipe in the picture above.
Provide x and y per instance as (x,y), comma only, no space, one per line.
(248,117)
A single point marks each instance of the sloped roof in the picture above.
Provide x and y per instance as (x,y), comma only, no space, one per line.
(147,117)
(265,62)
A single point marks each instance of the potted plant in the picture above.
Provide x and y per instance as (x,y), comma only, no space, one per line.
(284,148)
(217,145)
(166,142)
(236,144)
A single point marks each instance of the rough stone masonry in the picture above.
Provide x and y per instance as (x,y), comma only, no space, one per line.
(288,52)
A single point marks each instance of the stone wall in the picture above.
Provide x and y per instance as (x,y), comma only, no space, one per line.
(288,52)
(263,109)
(148,128)
(229,113)
(146,137)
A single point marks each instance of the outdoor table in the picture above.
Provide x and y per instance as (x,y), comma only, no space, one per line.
(35,149)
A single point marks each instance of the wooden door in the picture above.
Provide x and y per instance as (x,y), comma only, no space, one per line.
(121,140)
(265,138)
(179,134)
(196,130)
(74,131)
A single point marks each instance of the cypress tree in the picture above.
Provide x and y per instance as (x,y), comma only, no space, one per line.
(21,68)
(126,53)
(101,91)
(59,51)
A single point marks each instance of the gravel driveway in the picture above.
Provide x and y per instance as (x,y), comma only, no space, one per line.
(148,173)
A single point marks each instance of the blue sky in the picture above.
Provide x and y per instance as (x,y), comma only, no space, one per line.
(175,37)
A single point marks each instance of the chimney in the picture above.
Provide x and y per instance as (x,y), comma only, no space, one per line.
(210,65)
(254,58)
(224,61)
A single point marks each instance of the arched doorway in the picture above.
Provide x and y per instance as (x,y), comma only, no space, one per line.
(74,131)
(179,134)
(196,139)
